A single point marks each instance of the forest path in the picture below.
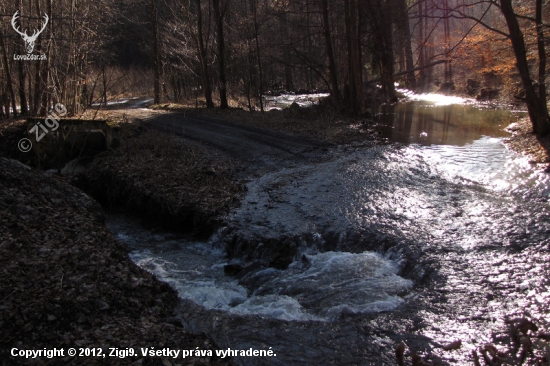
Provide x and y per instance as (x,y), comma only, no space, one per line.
(259,149)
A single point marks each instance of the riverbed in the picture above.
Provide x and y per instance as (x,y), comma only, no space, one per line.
(437,235)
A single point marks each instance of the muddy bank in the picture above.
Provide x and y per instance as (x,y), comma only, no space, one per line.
(180,184)
(65,282)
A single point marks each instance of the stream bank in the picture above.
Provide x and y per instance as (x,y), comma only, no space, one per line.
(524,142)
(181,185)
(65,282)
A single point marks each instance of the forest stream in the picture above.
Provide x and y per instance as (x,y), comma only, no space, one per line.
(438,235)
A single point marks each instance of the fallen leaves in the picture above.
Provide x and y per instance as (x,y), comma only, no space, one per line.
(521,348)
(523,141)
(188,189)
(65,282)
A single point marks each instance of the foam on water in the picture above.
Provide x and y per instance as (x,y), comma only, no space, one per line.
(285,100)
(195,272)
(317,289)
(323,287)
(330,284)
(335,282)
(274,306)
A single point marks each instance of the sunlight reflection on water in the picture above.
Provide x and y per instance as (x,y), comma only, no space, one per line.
(436,99)
(463,141)
(487,161)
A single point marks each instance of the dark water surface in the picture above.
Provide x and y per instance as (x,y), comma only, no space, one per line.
(435,122)
(437,236)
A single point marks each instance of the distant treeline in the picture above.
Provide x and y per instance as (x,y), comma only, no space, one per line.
(231,52)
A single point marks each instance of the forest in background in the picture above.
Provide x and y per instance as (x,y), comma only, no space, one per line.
(233,52)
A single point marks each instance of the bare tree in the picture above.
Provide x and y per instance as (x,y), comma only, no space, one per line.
(219,13)
(335,92)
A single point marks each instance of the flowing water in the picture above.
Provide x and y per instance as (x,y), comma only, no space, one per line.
(435,236)
(284,101)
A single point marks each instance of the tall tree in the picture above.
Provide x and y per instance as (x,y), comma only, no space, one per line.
(380,16)
(355,76)
(199,39)
(8,75)
(402,23)
(46,69)
(536,103)
(22,75)
(256,27)
(219,14)
(333,74)
(157,65)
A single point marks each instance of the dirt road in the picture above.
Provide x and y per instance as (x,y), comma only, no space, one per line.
(257,148)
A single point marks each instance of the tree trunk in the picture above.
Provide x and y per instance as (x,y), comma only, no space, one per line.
(428,72)
(220,15)
(421,45)
(104,73)
(45,72)
(357,57)
(335,92)
(411,80)
(22,78)
(156,52)
(202,59)
(404,32)
(447,31)
(351,97)
(257,41)
(536,106)
(355,78)
(542,64)
(37,84)
(289,84)
(8,76)
(382,24)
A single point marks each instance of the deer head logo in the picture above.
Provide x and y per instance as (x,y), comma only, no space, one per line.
(29,40)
